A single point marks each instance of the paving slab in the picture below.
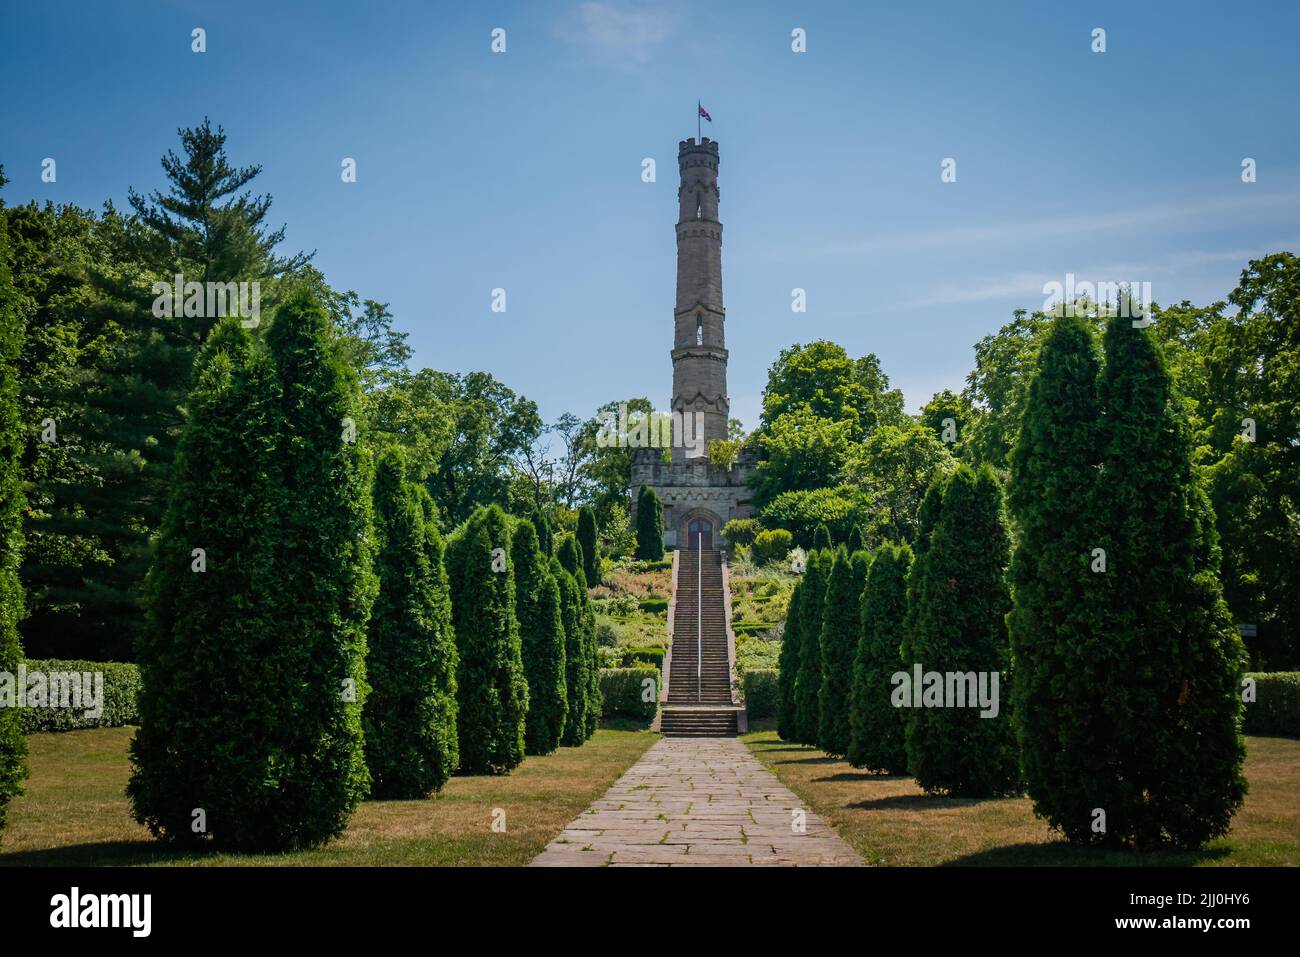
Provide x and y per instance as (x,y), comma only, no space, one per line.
(697,802)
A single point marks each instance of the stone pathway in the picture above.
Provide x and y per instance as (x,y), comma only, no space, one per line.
(693,802)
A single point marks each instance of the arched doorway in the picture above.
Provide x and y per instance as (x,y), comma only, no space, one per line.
(699,533)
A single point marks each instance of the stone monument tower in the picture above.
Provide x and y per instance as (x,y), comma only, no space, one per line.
(698,497)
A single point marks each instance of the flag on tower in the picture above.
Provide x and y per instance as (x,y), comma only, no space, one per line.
(705,113)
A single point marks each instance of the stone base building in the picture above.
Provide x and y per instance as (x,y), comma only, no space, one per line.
(698,497)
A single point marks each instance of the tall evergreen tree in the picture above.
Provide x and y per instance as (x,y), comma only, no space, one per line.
(13,746)
(839,642)
(252,673)
(649,526)
(855,539)
(957,626)
(821,538)
(788,665)
(541,629)
(587,538)
(545,538)
(410,714)
(572,558)
(577,667)
(492,692)
(1170,715)
(808,683)
(876,727)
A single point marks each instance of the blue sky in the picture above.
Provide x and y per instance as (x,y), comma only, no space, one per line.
(522,170)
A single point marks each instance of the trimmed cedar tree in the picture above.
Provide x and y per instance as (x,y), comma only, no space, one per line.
(410,713)
(13,746)
(788,665)
(855,540)
(958,627)
(649,526)
(253,669)
(1170,710)
(492,692)
(876,727)
(545,538)
(573,559)
(839,643)
(541,635)
(807,689)
(590,549)
(577,670)
(822,538)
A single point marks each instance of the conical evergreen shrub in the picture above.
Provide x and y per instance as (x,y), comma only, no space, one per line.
(822,538)
(957,626)
(590,547)
(545,538)
(855,540)
(1170,705)
(410,714)
(577,667)
(876,727)
(808,683)
(492,692)
(788,665)
(252,674)
(13,746)
(541,631)
(649,526)
(839,642)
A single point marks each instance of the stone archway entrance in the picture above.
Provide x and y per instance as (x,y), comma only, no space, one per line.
(699,533)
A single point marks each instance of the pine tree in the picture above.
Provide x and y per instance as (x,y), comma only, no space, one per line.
(1170,715)
(252,671)
(808,683)
(545,540)
(822,538)
(649,526)
(13,745)
(957,608)
(410,714)
(577,667)
(590,550)
(789,667)
(572,559)
(541,629)
(876,727)
(839,642)
(492,692)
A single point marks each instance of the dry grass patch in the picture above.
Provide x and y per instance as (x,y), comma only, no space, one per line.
(75,810)
(890,821)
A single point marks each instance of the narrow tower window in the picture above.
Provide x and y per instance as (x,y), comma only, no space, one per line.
(698,206)
(699,330)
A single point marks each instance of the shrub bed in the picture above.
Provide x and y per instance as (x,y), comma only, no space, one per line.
(759,689)
(1275,712)
(121,682)
(622,690)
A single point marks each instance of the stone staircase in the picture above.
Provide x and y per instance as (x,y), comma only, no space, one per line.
(699,701)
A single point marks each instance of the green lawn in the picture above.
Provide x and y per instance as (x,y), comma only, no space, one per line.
(75,812)
(889,820)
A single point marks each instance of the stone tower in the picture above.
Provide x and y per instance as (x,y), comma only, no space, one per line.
(698,497)
(699,343)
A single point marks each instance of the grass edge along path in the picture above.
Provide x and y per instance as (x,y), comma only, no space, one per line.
(74,811)
(890,821)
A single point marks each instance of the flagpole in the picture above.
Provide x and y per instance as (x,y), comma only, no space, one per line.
(698,134)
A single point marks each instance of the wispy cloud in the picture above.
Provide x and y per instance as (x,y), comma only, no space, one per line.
(1261,206)
(620,33)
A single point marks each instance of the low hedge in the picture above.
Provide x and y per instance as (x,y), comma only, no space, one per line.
(1275,712)
(632,657)
(622,689)
(759,689)
(121,682)
(654,605)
